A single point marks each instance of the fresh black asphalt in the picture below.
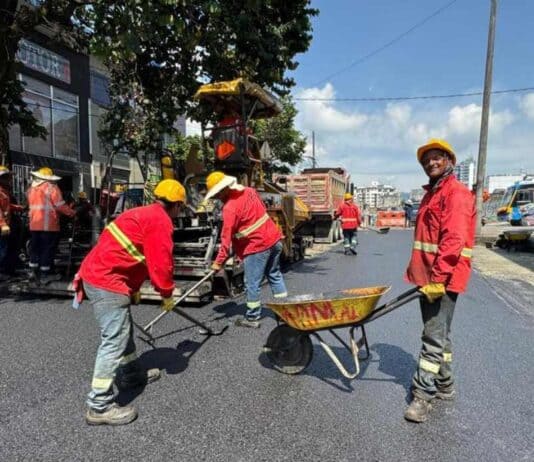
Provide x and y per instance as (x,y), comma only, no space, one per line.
(219,400)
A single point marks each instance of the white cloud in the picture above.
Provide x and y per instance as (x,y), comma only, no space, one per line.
(527,105)
(379,143)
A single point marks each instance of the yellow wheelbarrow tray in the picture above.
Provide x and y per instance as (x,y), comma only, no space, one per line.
(289,347)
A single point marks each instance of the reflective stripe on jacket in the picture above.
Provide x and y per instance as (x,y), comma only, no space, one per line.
(246,226)
(350,215)
(137,245)
(46,203)
(444,237)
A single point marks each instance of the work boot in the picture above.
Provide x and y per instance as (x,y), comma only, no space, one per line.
(346,251)
(446,394)
(113,415)
(137,379)
(244,322)
(418,410)
(32,275)
(353,251)
(49,277)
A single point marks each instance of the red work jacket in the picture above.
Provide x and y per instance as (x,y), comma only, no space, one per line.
(5,207)
(350,215)
(444,237)
(46,204)
(246,226)
(110,266)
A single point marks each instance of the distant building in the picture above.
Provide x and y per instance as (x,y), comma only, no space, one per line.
(465,172)
(417,194)
(378,196)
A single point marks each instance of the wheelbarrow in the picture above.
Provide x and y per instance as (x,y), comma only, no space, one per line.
(289,346)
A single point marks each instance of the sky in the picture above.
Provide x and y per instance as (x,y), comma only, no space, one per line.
(377,141)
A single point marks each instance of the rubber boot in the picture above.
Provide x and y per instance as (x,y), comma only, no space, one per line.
(139,378)
(47,277)
(418,410)
(244,322)
(113,415)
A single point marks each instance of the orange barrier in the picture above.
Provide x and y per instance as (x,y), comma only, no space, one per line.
(390,218)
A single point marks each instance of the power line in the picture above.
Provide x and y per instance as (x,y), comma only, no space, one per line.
(386,45)
(408,98)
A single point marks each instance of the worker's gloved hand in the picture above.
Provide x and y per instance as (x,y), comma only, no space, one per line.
(136,298)
(167,304)
(433,291)
(5,230)
(216,266)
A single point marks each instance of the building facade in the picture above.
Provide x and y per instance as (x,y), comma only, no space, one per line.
(465,172)
(378,196)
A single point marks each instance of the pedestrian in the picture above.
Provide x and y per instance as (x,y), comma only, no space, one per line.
(441,266)
(84,211)
(254,238)
(46,205)
(137,244)
(351,218)
(408,209)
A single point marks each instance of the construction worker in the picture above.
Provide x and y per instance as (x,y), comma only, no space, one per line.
(351,217)
(441,266)
(46,204)
(254,238)
(137,244)
(84,211)
(5,214)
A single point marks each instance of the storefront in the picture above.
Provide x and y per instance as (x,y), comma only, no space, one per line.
(57,90)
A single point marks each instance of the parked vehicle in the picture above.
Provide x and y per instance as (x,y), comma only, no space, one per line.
(322,190)
(516,196)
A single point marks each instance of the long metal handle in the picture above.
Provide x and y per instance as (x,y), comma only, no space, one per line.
(178,301)
(401,300)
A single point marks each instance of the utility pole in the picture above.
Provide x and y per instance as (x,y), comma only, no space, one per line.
(483,142)
(313,149)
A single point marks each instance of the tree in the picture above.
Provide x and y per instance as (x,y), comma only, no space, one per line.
(157,52)
(287,143)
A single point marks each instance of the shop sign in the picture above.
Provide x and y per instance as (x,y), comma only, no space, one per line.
(42,60)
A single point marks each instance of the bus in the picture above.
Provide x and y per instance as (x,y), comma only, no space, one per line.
(515,197)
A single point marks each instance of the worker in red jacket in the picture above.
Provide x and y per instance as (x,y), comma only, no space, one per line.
(441,266)
(46,205)
(351,218)
(254,238)
(137,244)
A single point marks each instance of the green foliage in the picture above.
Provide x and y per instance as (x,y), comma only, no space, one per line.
(287,143)
(158,52)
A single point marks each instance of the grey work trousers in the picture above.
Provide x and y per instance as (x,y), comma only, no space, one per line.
(434,366)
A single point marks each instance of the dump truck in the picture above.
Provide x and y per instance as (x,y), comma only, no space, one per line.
(322,190)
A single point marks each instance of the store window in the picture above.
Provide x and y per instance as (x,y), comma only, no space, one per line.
(58,112)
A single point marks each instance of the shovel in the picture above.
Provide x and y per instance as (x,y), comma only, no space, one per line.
(147,330)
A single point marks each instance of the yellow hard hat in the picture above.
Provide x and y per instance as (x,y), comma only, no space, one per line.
(347,196)
(46,173)
(3,170)
(435,143)
(170,191)
(82,195)
(213,179)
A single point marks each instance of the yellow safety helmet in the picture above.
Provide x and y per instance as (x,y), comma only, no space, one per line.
(4,170)
(46,173)
(170,191)
(347,196)
(214,179)
(82,195)
(435,143)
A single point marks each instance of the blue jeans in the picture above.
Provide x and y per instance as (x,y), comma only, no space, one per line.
(258,265)
(117,347)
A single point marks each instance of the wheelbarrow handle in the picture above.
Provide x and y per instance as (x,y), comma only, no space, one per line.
(402,299)
(177,302)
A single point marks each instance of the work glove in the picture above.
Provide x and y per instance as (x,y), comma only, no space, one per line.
(216,266)
(433,291)
(167,304)
(5,230)
(136,298)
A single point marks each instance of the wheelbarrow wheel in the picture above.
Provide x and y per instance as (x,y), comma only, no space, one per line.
(288,350)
